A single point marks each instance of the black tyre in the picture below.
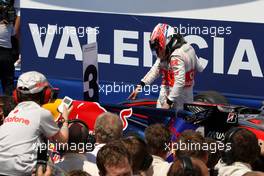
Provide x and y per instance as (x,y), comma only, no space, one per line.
(211,97)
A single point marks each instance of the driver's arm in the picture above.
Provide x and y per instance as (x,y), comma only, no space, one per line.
(153,74)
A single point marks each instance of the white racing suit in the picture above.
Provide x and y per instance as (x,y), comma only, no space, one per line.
(178,74)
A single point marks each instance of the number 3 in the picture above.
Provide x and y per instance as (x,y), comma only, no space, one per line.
(91,70)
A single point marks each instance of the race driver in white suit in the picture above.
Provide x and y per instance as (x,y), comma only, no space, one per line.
(177,63)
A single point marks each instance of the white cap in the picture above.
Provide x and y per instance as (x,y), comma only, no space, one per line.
(31,82)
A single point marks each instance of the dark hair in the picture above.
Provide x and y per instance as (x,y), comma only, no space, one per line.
(184,166)
(112,154)
(244,146)
(30,97)
(137,148)
(78,173)
(108,127)
(190,138)
(78,133)
(157,136)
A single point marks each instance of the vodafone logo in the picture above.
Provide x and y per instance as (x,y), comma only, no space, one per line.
(124,115)
(15,119)
(19,120)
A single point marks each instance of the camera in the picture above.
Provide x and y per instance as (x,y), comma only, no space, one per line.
(7,11)
(67,101)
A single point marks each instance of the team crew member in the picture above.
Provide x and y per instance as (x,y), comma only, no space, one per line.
(7,22)
(176,62)
(24,127)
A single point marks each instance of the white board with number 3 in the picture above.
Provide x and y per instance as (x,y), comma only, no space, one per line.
(90,72)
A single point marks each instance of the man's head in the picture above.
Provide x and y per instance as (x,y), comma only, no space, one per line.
(137,148)
(108,127)
(113,159)
(195,140)
(244,146)
(157,136)
(78,136)
(32,86)
(164,40)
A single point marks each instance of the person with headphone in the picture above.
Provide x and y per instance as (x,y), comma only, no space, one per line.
(26,125)
(176,62)
(80,141)
(241,150)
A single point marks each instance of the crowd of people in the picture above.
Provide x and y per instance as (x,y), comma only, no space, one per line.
(108,151)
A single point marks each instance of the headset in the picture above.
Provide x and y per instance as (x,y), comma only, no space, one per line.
(227,154)
(230,134)
(86,136)
(48,93)
(187,166)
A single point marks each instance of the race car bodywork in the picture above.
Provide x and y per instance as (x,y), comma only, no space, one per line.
(215,119)
(82,110)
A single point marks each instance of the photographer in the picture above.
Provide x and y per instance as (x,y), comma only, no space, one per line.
(26,125)
(8,55)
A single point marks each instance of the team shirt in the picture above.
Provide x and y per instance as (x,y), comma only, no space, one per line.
(20,136)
